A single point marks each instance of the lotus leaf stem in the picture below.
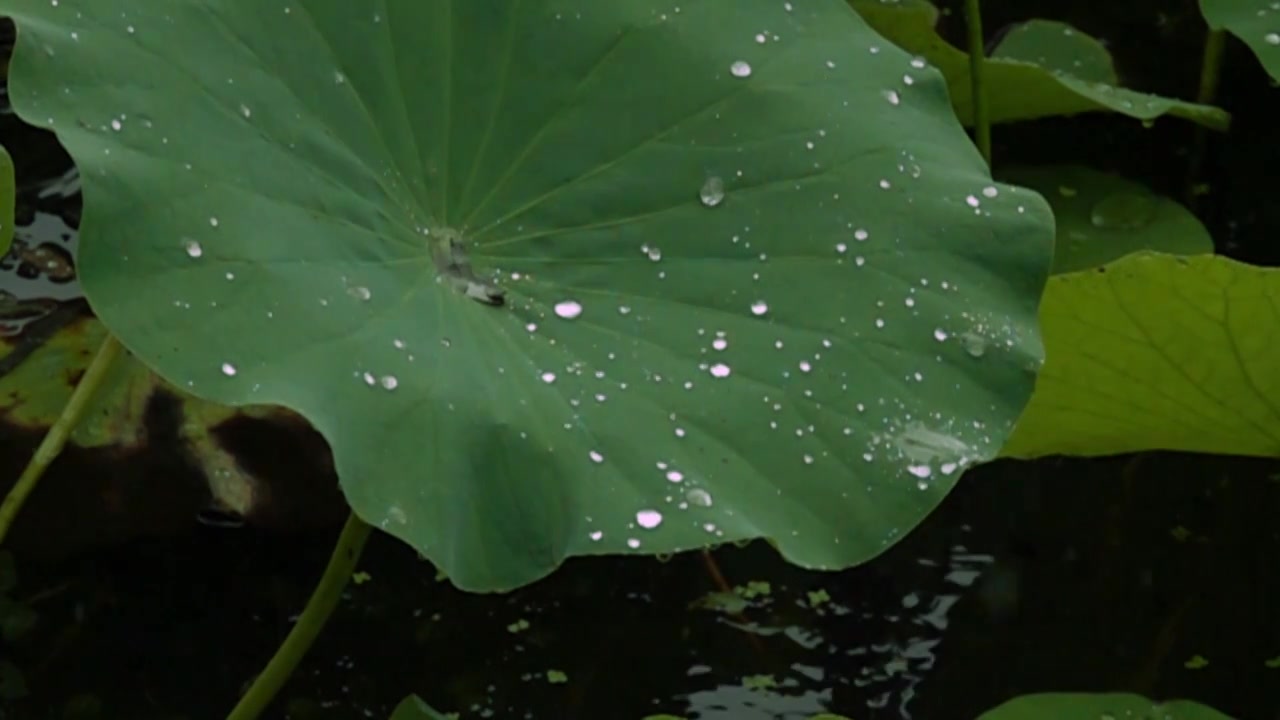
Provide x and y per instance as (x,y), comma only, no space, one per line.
(978,79)
(56,438)
(324,599)
(1210,74)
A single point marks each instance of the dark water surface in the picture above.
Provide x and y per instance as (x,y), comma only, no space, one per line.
(1156,574)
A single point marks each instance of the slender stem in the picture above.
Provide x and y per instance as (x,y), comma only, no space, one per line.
(1210,73)
(323,601)
(978,79)
(56,438)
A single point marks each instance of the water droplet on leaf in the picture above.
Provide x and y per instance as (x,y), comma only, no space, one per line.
(568,309)
(649,519)
(712,192)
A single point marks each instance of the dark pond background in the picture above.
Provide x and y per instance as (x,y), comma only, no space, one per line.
(1154,574)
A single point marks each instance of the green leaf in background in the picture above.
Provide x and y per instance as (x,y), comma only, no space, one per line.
(1256,22)
(1102,217)
(1019,88)
(8,196)
(1157,352)
(1058,48)
(33,393)
(1087,706)
(557,278)
(413,708)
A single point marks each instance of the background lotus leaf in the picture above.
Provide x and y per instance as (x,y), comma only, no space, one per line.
(1018,87)
(1102,217)
(1157,352)
(1256,22)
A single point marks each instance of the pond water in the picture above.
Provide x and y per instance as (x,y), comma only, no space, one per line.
(1153,574)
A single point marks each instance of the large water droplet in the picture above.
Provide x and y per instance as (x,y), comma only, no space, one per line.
(973,343)
(228,369)
(759,307)
(922,446)
(720,370)
(193,247)
(698,496)
(649,519)
(568,309)
(712,191)
(921,470)
(1123,211)
(740,68)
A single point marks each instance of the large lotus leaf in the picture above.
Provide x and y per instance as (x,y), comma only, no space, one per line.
(756,284)
(1157,352)
(1102,217)
(1256,22)
(1086,706)
(1019,88)
(8,192)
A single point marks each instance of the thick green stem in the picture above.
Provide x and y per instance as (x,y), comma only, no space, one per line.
(56,438)
(1210,73)
(319,607)
(978,79)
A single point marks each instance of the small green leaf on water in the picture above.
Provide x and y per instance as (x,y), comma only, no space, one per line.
(360,577)
(817,597)
(557,677)
(1180,533)
(731,603)
(754,589)
(518,626)
(1273,663)
(1195,662)
(759,682)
